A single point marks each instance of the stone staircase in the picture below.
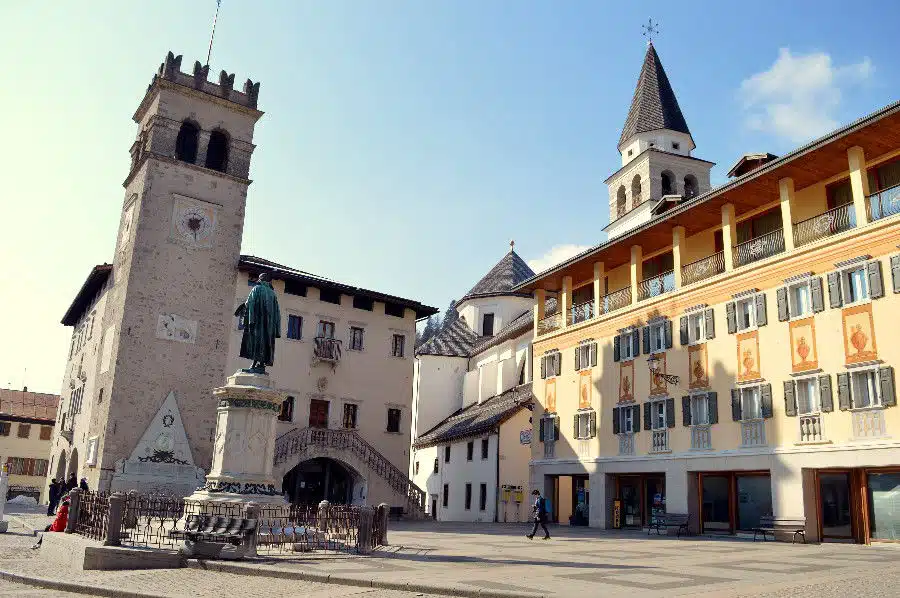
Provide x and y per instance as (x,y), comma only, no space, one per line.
(300,440)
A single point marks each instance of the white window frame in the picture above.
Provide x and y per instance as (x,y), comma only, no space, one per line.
(323,326)
(816,403)
(745,305)
(288,325)
(402,353)
(550,428)
(793,308)
(584,358)
(626,342)
(698,317)
(550,358)
(584,425)
(696,399)
(657,412)
(362,338)
(626,423)
(749,389)
(875,402)
(846,286)
(657,337)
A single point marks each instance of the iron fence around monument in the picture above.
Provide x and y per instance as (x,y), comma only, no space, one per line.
(92,519)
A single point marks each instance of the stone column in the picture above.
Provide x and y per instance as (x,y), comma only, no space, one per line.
(786,193)
(637,271)
(677,253)
(382,515)
(74,508)
(729,234)
(598,288)
(364,538)
(540,304)
(252,511)
(202,147)
(859,183)
(565,301)
(115,516)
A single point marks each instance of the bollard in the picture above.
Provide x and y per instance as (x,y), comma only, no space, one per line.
(114,520)
(365,539)
(384,510)
(74,508)
(252,511)
(4,489)
(322,524)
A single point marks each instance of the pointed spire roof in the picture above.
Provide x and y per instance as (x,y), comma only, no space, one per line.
(653,106)
(502,278)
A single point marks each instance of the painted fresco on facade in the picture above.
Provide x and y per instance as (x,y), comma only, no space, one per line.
(804,355)
(626,381)
(550,396)
(859,334)
(657,383)
(698,374)
(584,390)
(748,356)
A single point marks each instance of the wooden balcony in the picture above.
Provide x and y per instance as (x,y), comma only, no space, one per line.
(703,268)
(656,285)
(759,248)
(883,204)
(824,225)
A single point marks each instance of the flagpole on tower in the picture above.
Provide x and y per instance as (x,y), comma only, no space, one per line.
(211,37)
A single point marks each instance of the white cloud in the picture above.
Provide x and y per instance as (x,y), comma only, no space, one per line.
(798,97)
(556,254)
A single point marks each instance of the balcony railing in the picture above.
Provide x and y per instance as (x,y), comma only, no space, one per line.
(617,300)
(883,204)
(327,349)
(583,312)
(753,433)
(868,423)
(549,450)
(828,223)
(811,428)
(550,323)
(703,268)
(626,444)
(659,441)
(701,439)
(759,248)
(656,285)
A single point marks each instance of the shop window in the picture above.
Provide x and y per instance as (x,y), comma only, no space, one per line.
(884,518)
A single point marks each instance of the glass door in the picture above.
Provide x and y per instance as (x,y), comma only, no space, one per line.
(655,497)
(834,504)
(715,507)
(630,495)
(884,506)
(754,499)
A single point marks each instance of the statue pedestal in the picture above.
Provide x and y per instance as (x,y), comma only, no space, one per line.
(244,451)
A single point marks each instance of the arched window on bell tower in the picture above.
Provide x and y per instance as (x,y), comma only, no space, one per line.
(668,180)
(691,189)
(620,202)
(187,141)
(636,191)
(217,150)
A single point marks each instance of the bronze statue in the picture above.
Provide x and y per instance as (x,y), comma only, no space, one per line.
(262,325)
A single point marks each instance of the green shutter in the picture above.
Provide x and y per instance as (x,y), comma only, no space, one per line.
(683,330)
(843,383)
(876,281)
(735,404)
(731,317)
(761,317)
(781,297)
(713,403)
(790,400)
(709,321)
(886,380)
(834,290)
(817,294)
(825,398)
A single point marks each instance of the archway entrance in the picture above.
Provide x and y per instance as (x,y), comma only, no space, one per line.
(312,481)
(73,463)
(61,467)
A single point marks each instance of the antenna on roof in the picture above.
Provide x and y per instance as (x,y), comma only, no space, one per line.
(213,35)
(650,29)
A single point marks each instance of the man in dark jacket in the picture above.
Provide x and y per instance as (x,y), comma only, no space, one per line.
(72,482)
(83,485)
(539,512)
(52,497)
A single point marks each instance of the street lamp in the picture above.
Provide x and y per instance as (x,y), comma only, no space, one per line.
(653,364)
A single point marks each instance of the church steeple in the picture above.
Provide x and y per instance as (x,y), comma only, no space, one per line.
(654,106)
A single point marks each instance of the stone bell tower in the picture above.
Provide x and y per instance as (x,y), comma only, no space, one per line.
(175,267)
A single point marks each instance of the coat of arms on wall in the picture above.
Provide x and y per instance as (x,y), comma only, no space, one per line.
(658,383)
(584,389)
(626,381)
(698,375)
(748,356)
(804,356)
(859,334)
(550,396)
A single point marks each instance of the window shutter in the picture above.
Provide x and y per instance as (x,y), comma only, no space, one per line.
(557,358)
(593,354)
(834,289)
(816,293)
(765,394)
(593,430)
(782,300)
(668,329)
(876,282)
(886,380)
(616,428)
(543,367)
(761,317)
(648,423)
(709,322)
(683,330)
(555,428)
(541,432)
(730,317)
(577,357)
(636,341)
(575,428)
(686,411)
(895,272)
(646,330)
(844,401)
(712,399)
(736,404)
(670,413)
(617,349)
(825,398)
(790,401)
(636,416)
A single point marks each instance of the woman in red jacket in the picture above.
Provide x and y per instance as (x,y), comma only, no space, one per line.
(59,524)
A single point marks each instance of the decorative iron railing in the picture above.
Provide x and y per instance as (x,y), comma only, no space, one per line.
(759,248)
(550,323)
(869,423)
(659,441)
(327,349)
(832,222)
(701,439)
(617,300)
(753,433)
(299,439)
(811,428)
(626,444)
(883,204)
(583,312)
(703,268)
(92,519)
(656,285)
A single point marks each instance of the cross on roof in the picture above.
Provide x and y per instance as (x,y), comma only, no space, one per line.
(512,245)
(650,29)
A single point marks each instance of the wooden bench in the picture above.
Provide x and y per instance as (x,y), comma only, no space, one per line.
(207,535)
(768,525)
(395,513)
(668,520)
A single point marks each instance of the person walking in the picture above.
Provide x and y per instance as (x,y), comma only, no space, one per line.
(83,485)
(52,497)
(539,512)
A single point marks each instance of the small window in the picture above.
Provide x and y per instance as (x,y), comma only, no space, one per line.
(398,345)
(24,430)
(700,410)
(363,303)
(657,337)
(482,497)
(745,309)
(750,403)
(350,411)
(864,389)
(46,432)
(487,325)
(393,420)
(446,495)
(470,450)
(696,327)
(628,342)
(4,428)
(325,329)
(484,448)
(436,464)
(217,151)
(447,454)
(551,364)
(626,420)
(676,145)
(416,469)
(468,497)
(799,299)
(186,142)
(294,327)
(658,415)
(630,152)
(287,410)
(292,287)
(356,338)
(855,285)
(585,426)
(806,391)
(585,355)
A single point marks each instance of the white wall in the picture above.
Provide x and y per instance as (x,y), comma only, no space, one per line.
(457,473)
(661,140)
(437,390)
(471,389)
(505,309)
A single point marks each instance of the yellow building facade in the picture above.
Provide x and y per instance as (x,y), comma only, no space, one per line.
(730,355)
(26,427)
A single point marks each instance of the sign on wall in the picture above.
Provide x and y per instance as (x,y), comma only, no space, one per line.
(525,436)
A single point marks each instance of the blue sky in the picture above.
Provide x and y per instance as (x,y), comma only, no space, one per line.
(404,142)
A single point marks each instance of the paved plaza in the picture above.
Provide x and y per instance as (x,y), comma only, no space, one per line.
(492,559)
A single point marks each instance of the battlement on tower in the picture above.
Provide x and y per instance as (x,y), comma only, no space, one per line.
(170,70)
